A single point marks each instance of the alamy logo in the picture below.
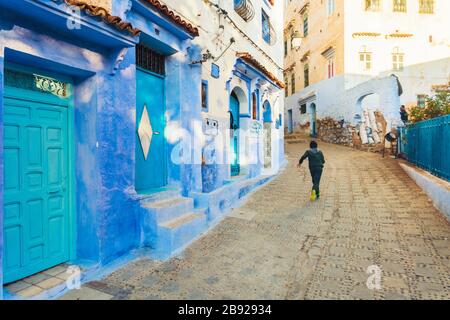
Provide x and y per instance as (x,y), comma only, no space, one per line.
(375,275)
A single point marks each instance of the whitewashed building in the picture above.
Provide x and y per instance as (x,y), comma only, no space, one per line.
(354,52)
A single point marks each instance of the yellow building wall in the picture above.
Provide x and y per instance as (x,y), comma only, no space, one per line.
(324,31)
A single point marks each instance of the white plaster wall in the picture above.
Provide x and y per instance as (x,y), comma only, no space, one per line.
(418,49)
(437,189)
(426,63)
(418,79)
(215,39)
(328,95)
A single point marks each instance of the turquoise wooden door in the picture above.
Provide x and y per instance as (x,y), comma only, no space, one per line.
(234,126)
(151,167)
(36,174)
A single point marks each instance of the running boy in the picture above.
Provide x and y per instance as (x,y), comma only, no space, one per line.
(316,164)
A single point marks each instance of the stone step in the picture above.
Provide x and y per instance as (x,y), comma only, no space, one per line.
(294,141)
(177,234)
(168,209)
(160,195)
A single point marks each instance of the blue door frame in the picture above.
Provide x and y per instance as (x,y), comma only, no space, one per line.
(234,127)
(151,172)
(39,217)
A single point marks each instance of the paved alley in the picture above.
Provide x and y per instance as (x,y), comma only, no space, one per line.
(279,245)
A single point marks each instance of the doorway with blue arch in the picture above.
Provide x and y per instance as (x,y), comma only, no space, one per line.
(234,134)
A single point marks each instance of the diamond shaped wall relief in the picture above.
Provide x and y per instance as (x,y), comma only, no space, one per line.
(145,132)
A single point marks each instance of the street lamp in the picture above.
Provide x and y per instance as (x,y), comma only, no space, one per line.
(296,40)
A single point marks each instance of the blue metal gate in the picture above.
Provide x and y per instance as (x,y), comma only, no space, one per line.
(427,145)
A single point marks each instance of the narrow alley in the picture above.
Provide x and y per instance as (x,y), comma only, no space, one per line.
(279,245)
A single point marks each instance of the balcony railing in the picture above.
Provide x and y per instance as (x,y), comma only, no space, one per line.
(245,9)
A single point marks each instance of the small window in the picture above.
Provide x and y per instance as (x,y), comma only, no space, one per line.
(285,47)
(373,5)
(421,100)
(205,96)
(266,34)
(303,109)
(399,5)
(331,7)
(330,67)
(398,59)
(306,75)
(426,6)
(293,83)
(286,90)
(305,25)
(365,58)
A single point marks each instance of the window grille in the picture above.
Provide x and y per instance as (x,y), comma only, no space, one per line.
(150,60)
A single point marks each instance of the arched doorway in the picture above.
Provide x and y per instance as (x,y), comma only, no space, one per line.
(313,109)
(267,117)
(238,102)
(371,130)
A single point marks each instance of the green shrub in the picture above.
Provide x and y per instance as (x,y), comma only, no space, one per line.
(435,106)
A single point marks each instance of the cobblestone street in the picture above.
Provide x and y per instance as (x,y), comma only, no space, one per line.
(279,245)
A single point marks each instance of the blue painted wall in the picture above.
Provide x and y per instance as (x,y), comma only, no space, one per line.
(107,209)
(107,214)
(1,170)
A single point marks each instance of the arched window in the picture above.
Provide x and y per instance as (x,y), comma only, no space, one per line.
(254,106)
(365,58)
(398,59)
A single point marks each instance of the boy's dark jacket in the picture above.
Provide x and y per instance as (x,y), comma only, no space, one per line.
(315,157)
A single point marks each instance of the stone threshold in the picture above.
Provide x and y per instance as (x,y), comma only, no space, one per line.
(41,284)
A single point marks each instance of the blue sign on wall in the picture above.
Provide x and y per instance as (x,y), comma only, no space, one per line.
(215,71)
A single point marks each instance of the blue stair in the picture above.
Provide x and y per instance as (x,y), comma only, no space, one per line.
(170,224)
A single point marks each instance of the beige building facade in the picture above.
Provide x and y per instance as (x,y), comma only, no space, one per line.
(352,50)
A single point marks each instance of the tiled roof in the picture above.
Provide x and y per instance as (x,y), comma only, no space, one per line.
(248,58)
(105,16)
(165,11)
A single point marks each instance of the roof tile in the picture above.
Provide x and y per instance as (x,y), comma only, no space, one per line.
(105,16)
(247,57)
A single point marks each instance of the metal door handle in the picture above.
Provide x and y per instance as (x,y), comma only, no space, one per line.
(157,133)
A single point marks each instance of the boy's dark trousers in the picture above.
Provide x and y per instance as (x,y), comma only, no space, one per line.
(316,175)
